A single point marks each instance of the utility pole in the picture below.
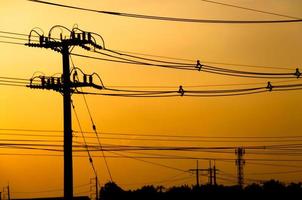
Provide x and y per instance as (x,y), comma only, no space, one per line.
(197,170)
(215,170)
(197,173)
(8,193)
(64,85)
(96,188)
(68,171)
(240,162)
(210,173)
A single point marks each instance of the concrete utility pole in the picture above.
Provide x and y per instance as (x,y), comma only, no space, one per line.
(68,171)
(240,162)
(64,85)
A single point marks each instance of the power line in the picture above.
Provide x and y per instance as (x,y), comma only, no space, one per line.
(15,38)
(145,161)
(94,129)
(174,19)
(149,135)
(198,67)
(7,42)
(251,9)
(49,191)
(83,136)
(217,93)
(13,85)
(166,180)
(128,54)
(280,172)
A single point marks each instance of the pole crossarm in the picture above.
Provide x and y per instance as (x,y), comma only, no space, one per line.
(57,83)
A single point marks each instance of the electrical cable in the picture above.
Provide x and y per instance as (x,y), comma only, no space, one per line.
(83,136)
(251,9)
(94,129)
(174,19)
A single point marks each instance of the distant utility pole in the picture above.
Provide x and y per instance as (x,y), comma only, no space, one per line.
(8,192)
(64,85)
(215,170)
(197,173)
(197,170)
(240,162)
(212,173)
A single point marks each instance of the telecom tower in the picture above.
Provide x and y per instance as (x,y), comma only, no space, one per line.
(240,162)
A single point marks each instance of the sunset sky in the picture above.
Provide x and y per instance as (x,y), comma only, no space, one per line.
(270,114)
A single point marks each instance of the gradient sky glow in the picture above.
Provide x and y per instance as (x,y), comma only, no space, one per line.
(266,114)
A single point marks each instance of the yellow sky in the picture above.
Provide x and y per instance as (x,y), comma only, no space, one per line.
(267,114)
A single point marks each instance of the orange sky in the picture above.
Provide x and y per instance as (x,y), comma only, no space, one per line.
(267,114)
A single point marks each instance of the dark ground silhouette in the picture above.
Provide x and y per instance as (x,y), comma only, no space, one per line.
(270,190)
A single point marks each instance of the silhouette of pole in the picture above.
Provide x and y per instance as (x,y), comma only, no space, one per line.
(68,172)
(197,170)
(240,163)
(214,169)
(8,193)
(210,173)
(197,174)
(96,188)
(65,86)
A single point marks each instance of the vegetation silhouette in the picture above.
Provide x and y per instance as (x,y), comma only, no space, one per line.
(268,189)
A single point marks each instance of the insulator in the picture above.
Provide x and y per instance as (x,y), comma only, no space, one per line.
(198,65)
(90,79)
(89,36)
(297,73)
(85,47)
(269,86)
(79,36)
(48,81)
(85,78)
(74,77)
(58,81)
(181,90)
(41,39)
(62,78)
(98,46)
(72,35)
(52,80)
(43,81)
(61,36)
(84,36)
